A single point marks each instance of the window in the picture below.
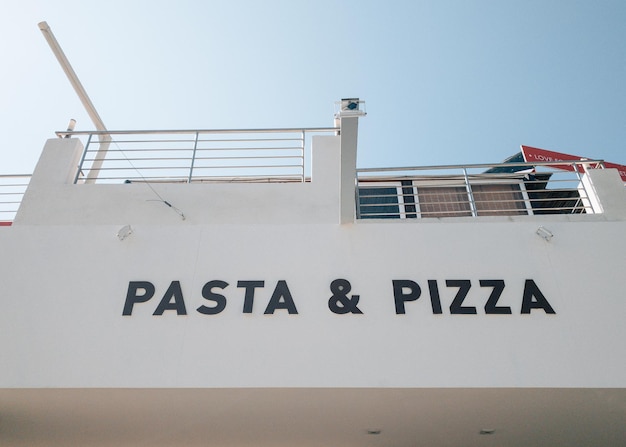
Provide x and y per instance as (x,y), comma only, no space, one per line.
(387,200)
(443,201)
(499,199)
(405,199)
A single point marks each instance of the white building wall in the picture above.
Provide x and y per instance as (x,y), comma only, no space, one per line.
(53,199)
(65,276)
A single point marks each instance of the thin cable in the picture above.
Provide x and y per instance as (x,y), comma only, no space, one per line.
(161,199)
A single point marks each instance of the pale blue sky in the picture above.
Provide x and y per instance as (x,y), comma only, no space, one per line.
(445,81)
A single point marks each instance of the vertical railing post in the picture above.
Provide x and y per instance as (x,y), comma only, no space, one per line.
(470,194)
(302,154)
(193,157)
(357,196)
(581,185)
(575,166)
(82,159)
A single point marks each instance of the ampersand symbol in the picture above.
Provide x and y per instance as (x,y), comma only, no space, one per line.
(340,303)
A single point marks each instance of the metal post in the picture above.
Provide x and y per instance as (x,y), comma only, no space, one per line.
(193,158)
(82,159)
(302,137)
(581,186)
(470,194)
(357,196)
(105,139)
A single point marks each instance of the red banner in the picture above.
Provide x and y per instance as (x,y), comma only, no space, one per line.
(532,154)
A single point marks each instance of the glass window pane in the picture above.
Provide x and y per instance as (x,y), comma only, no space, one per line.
(379,202)
(444,201)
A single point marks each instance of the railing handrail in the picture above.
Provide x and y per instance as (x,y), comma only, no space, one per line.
(529,164)
(64,133)
(15,175)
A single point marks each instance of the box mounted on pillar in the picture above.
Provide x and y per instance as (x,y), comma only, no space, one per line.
(349,107)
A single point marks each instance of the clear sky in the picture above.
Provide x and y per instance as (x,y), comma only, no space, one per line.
(445,81)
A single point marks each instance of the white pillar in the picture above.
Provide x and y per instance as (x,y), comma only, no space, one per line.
(349,133)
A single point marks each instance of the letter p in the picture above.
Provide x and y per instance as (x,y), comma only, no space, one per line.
(399,286)
(133,296)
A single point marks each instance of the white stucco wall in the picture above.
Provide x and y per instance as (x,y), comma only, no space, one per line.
(53,199)
(63,292)
(64,277)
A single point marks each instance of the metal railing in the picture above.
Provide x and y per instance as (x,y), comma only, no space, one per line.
(474,190)
(12,188)
(196,155)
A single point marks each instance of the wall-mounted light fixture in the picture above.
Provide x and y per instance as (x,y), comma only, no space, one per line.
(545,233)
(124,232)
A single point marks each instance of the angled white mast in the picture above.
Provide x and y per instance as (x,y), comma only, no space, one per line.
(104,139)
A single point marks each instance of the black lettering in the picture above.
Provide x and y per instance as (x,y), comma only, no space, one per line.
(220,300)
(133,296)
(435,300)
(248,300)
(173,291)
(457,304)
(414,292)
(540,302)
(281,291)
(491,306)
(340,303)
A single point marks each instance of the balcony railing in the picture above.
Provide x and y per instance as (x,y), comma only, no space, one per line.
(196,155)
(12,188)
(280,155)
(474,190)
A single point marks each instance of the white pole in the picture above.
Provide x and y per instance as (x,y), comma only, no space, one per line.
(84,98)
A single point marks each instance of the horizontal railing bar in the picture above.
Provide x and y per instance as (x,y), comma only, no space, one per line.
(514,204)
(199,131)
(192,140)
(201,179)
(197,158)
(421,196)
(247,167)
(136,159)
(507,176)
(481,166)
(160,140)
(242,149)
(200,140)
(145,177)
(241,178)
(131,168)
(190,149)
(205,179)
(423,180)
(258,157)
(170,168)
(368,210)
(141,149)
